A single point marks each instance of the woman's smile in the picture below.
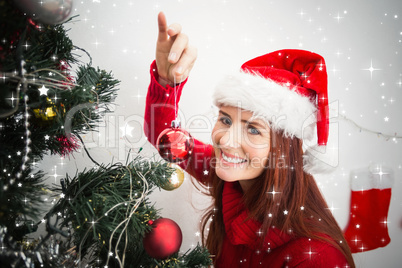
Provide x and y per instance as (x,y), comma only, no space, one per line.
(232,160)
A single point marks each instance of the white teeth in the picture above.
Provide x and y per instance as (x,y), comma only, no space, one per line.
(233,160)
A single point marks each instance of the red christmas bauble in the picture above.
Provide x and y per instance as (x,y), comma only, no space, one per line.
(175,145)
(164,239)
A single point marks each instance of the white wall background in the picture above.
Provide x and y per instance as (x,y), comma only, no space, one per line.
(351,35)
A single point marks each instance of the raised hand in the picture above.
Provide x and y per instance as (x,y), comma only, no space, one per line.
(174,56)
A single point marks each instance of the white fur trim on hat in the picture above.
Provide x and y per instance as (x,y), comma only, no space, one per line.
(282,107)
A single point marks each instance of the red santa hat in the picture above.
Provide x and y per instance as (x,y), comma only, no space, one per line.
(288,88)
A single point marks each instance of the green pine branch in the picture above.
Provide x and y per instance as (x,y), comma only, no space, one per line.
(102,210)
(48,55)
(197,257)
(96,201)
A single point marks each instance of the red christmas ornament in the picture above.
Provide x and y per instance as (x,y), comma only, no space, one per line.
(164,239)
(175,144)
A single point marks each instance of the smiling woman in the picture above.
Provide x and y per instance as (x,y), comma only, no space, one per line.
(277,218)
(267,210)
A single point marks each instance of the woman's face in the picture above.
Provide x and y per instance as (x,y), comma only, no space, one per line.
(241,144)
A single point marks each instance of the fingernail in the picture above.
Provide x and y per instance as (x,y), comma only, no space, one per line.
(172,56)
(179,70)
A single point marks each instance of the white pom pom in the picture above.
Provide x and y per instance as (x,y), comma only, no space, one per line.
(317,160)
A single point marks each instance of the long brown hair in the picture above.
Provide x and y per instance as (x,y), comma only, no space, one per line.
(308,214)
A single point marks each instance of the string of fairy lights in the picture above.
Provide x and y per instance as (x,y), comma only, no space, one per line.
(387,137)
(25,156)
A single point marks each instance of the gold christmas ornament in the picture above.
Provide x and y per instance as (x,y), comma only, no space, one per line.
(49,113)
(175,180)
(46,114)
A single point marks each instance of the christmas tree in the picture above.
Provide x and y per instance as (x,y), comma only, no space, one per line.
(102,214)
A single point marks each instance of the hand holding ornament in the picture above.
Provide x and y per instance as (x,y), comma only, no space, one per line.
(174,59)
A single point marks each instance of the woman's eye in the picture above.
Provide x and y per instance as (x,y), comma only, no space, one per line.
(225,121)
(253,130)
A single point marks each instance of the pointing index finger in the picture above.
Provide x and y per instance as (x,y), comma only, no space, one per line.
(162,25)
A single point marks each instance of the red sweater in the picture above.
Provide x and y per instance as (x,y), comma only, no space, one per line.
(240,247)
